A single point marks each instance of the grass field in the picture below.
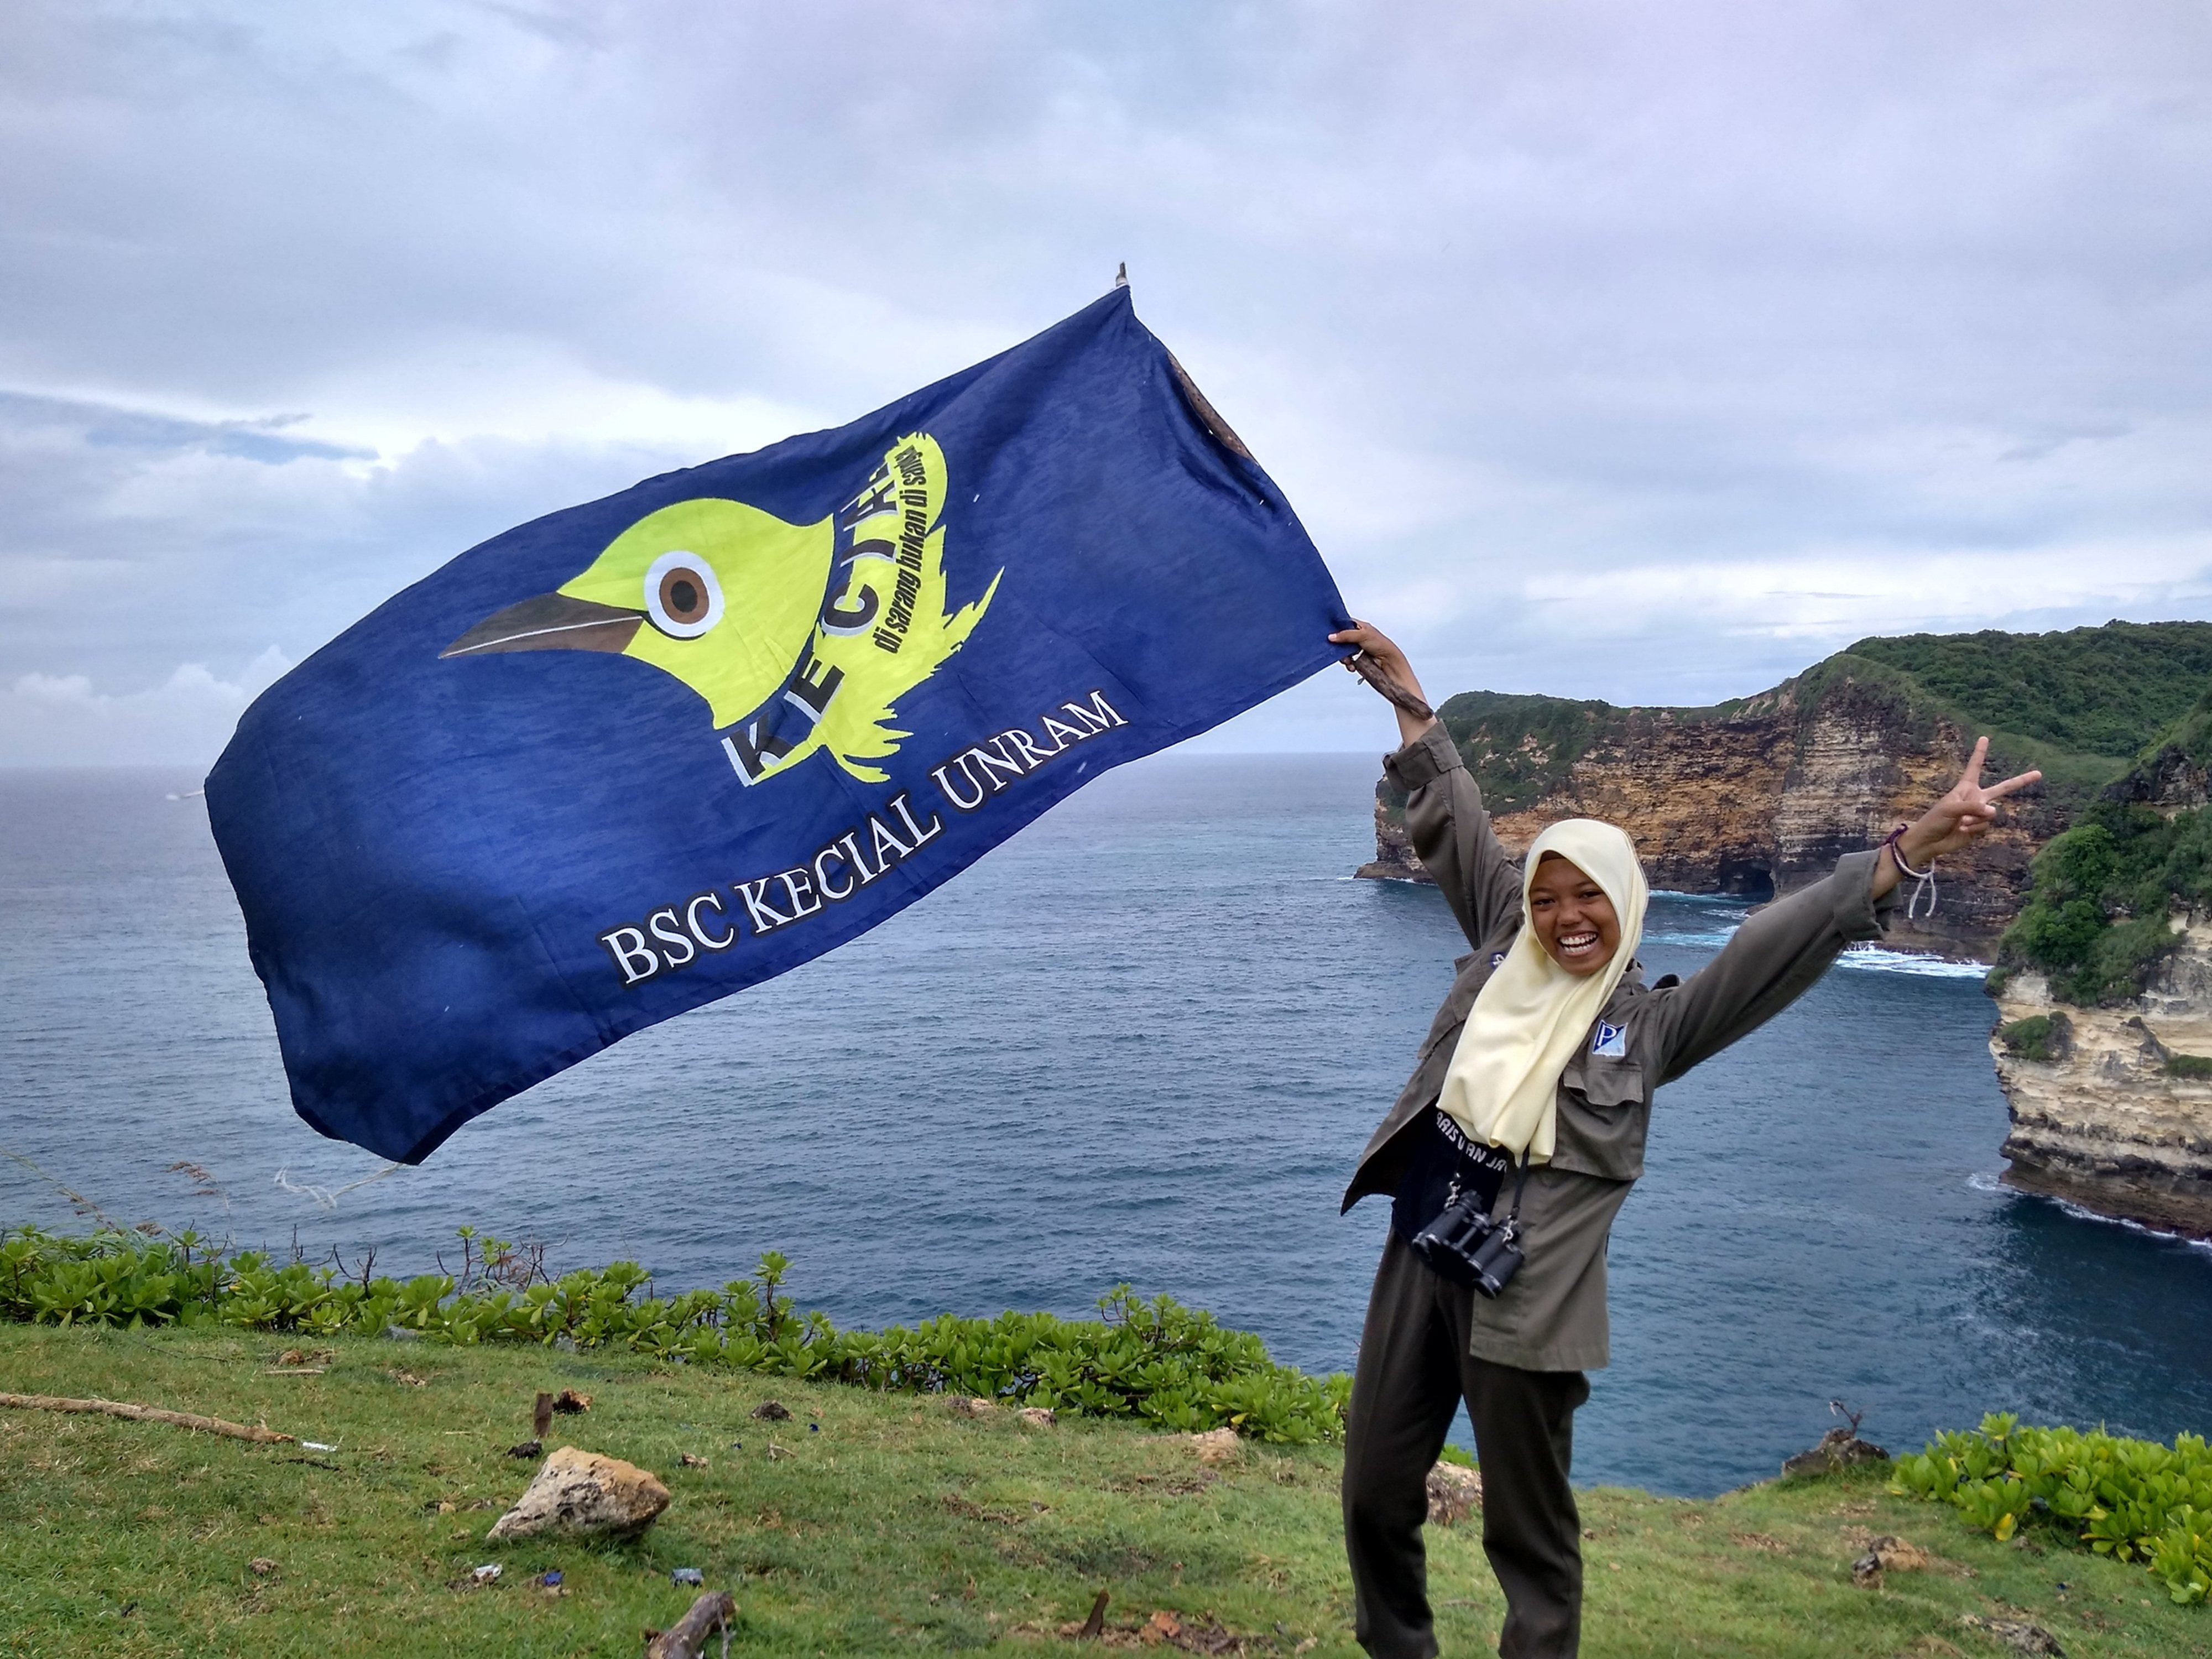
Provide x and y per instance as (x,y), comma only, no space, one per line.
(865,1524)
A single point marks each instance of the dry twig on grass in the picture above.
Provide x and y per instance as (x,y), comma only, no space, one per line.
(1096,1623)
(687,1637)
(47,1402)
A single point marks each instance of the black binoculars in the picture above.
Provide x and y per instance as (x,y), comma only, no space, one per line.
(1468,1247)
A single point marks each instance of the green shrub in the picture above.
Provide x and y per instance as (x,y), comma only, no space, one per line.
(2097,690)
(1171,1365)
(2039,1037)
(2191,734)
(2195,1067)
(1994,981)
(2096,919)
(2131,1499)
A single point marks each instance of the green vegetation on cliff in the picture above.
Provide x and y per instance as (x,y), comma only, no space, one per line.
(2103,691)
(2044,1037)
(1521,748)
(2080,704)
(2188,739)
(2098,921)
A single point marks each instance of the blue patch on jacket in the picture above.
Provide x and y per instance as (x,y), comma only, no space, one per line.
(1612,1042)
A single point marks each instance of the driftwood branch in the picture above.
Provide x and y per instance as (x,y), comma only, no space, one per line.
(687,1637)
(1208,416)
(47,1402)
(1374,673)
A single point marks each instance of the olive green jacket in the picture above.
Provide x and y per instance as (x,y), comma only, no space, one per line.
(1551,1317)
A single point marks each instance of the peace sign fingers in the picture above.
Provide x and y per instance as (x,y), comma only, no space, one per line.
(1964,815)
(2018,781)
(1970,809)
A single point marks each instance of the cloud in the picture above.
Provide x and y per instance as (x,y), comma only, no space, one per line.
(58,719)
(1716,333)
(139,539)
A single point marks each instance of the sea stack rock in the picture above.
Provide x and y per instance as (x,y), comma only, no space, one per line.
(582,1494)
(2102,1115)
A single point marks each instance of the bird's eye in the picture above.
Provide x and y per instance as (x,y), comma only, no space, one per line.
(681,596)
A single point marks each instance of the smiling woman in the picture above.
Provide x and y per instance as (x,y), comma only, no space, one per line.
(1558,974)
(1542,1061)
(1573,918)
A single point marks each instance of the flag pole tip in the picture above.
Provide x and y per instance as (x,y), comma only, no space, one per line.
(1121,274)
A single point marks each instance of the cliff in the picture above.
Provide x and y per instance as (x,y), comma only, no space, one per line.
(1760,795)
(2107,1111)
(2103,1038)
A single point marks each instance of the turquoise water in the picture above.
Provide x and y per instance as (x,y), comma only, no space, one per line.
(1144,1041)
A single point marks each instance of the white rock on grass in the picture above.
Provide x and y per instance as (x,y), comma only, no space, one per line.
(582,1494)
(1217,1446)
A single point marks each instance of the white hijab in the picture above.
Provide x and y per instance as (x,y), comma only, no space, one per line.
(1504,1084)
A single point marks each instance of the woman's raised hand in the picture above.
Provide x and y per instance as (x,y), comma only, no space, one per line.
(1384,665)
(1959,819)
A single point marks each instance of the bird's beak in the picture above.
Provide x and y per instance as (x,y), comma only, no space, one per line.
(551,622)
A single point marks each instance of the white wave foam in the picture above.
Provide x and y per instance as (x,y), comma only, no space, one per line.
(1696,941)
(1989,1181)
(2081,1214)
(1874,958)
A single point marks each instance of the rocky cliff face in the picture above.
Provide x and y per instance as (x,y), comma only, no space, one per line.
(2113,1117)
(1758,798)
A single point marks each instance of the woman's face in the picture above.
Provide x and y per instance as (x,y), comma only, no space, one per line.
(1573,918)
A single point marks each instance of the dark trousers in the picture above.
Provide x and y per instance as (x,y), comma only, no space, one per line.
(1414,1369)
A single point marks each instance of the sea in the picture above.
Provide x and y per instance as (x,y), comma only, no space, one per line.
(1143,1042)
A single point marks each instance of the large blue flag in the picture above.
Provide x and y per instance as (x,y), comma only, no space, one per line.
(643,753)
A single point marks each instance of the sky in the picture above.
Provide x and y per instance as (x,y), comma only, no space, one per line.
(1647,353)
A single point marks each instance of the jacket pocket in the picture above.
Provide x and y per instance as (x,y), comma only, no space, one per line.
(1615,1084)
(1601,1122)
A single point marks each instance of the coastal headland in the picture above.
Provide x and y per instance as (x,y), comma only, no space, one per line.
(2101,1115)
(2104,1037)
(1759,795)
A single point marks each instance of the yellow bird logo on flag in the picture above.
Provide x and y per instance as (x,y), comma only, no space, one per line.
(800,637)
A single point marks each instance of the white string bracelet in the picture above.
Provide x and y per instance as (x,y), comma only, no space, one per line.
(1925,877)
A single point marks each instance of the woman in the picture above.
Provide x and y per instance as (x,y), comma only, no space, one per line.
(1530,1099)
